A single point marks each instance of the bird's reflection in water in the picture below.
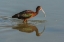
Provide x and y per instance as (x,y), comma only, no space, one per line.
(28,28)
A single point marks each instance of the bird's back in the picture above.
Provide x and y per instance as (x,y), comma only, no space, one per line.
(26,11)
(24,14)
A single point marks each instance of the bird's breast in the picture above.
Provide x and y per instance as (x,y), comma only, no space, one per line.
(33,15)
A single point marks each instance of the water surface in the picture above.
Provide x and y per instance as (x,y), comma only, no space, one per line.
(53,23)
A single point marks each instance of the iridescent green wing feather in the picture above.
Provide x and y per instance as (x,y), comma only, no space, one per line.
(26,15)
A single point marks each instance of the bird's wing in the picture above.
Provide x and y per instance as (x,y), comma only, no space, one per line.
(26,13)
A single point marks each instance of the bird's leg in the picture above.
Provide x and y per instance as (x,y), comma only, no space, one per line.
(25,21)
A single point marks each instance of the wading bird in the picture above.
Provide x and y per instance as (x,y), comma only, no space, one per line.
(26,14)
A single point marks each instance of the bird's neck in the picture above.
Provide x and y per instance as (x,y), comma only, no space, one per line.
(37,11)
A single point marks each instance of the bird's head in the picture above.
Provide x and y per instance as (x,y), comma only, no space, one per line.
(40,8)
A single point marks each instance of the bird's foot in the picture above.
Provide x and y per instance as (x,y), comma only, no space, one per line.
(25,21)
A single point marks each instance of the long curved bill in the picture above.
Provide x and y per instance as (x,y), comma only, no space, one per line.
(44,13)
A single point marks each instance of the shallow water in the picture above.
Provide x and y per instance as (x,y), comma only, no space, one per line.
(51,27)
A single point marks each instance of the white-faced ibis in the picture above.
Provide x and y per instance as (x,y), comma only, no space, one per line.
(26,14)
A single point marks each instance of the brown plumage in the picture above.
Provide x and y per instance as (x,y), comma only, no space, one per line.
(26,14)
